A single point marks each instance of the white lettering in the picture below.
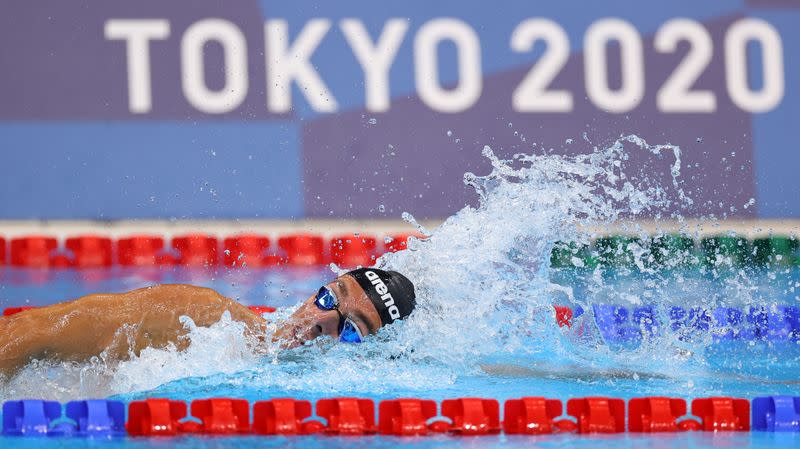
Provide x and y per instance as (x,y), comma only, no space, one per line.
(287,63)
(388,300)
(382,290)
(470,79)
(737,38)
(375,60)
(595,64)
(137,34)
(193,78)
(532,95)
(676,95)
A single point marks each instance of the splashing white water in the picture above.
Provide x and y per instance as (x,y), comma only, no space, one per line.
(482,277)
(484,290)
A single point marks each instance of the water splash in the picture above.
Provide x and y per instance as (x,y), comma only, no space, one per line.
(483,275)
(485,290)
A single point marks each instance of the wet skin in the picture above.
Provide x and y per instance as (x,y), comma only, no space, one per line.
(117,325)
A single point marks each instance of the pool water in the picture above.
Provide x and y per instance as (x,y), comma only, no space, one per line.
(623,441)
(484,324)
(733,367)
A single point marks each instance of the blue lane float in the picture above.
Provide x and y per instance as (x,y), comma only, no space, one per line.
(29,417)
(90,418)
(776,414)
(694,319)
(620,325)
(97,417)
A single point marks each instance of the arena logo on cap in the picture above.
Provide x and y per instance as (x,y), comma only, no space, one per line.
(383,290)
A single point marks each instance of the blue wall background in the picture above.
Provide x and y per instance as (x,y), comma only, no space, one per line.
(70,148)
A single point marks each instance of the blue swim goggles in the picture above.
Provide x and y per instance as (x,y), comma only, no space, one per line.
(348,331)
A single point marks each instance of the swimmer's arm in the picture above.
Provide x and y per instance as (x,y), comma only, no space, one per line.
(115,323)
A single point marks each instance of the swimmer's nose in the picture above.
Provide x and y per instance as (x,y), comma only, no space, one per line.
(327,323)
(307,324)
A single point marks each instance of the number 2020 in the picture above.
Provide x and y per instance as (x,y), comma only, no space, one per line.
(676,95)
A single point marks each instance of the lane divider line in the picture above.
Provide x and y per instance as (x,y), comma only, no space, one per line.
(399,417)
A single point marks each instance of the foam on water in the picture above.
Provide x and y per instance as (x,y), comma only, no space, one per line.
(483,275)
(485,293)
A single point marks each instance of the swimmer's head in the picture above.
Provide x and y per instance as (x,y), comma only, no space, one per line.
(351,307)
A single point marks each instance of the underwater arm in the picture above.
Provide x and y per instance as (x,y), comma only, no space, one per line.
(114,324)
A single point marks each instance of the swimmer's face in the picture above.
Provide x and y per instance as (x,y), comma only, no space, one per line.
(310,322)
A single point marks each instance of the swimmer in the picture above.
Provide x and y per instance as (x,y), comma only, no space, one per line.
(348,309)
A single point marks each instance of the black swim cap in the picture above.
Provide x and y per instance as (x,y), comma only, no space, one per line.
(391,293)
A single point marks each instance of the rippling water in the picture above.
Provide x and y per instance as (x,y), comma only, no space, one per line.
(485,323)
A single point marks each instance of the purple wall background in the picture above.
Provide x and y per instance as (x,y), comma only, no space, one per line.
(70,148)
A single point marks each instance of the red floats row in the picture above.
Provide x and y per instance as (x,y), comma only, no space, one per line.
(196,250)
(343,416)
(464,416)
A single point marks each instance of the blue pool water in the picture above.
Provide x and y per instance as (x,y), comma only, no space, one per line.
(736,368)
(622,441)
(484,324)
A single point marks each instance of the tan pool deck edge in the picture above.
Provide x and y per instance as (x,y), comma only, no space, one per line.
(64,228)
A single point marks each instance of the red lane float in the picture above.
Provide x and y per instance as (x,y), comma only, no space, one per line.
(722,414)
(598,414)
(196,250)
(398,242)
(534,416)
(284,417)
(404,417)
(246,250)
(33,251)
(262,309)
(353,250)
(219,416)
(155,417)
(472,416)
(90,251)
(657,414)
(348,416)
(139,250)
(15,310)
(563,316)
(303,249)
